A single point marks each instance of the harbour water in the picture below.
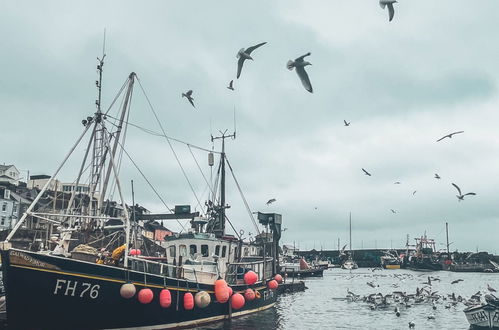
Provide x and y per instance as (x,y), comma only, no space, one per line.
(324,306)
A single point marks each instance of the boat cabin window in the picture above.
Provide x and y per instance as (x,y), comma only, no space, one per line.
(204,250)
(182,250)
(217,250)
(193,249)
(246,252)
(224,251)
(172,251)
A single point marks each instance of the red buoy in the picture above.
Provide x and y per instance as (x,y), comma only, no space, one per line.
(145,296)
(221,291)
(165,298)
(188,301)
(230,291)
(133,252)
(278,278)
(249,294)
(250,277)
(237,301)
(272,285)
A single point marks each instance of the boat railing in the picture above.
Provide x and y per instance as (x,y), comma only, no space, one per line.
(172,271)
(236,270)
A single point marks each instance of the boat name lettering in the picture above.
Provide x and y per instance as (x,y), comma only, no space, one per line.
(22,258)
(74,288)
(268,294)
(480,316)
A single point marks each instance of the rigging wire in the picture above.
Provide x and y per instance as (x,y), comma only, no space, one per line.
(200,170)
(169,143)
(148,182)
(242,196)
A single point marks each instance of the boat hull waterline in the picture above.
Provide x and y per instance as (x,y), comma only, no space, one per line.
(60,292)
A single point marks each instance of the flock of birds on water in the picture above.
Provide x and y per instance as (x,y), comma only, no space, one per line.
(398,300)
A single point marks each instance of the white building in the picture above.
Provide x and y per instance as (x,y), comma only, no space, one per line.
(9,209)
(10,174)
(39,181)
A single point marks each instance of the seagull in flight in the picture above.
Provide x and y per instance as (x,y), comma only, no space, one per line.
(396,182)
(393,211)
(389,4)
(270,201)
(300,65)
(346,123)
(460,197)
(230,85)
(244,54)
(450,135)
(366,172)
(437,176)
(414,192)
(189,97)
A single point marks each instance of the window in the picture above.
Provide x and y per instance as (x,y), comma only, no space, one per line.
(193,249)
(2,222)
(204,250)
(246,251)
(4,206)
(224,251)
(182,250)
(217,250)
(172,251)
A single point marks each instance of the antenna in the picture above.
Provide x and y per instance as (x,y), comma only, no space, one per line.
(234,122)
(104,44)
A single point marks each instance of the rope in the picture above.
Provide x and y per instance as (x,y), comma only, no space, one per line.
(170,144)
(200,170)
(242,196)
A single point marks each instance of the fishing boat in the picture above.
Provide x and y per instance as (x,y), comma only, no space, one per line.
(301,269)
(390,260)
(199,275)
(349,263)
(424,257)
(484,316)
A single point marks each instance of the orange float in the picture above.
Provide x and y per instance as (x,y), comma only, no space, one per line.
(221,291)
(250,277)
(165,298)
(249,294)
(272,285)
(188,301)
(230,290)
(237,301)
(145,296)
(278,278)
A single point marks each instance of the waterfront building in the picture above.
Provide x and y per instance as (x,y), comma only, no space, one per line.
(9,174)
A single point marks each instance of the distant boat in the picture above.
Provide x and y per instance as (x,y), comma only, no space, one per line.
(350,263)
(390,260)
(425,256)
(300,269)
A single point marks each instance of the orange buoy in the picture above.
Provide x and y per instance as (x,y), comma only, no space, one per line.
(250,277)
(249,294)
(165,298)
(272,285)
(230,290)
(188,301)
(278,278)
(145,296)
(221,291)
(128,290)
(202,299)
(237,301)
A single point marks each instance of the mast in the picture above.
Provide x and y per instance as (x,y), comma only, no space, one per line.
(447,235)
(220,229)
(350,233)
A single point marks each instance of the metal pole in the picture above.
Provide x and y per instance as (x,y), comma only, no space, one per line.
(20,222)
(447,234)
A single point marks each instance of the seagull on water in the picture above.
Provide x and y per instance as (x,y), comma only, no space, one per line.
(300,65)
(189,97)
(270,201)
(244,54)
(460,197)
(230,85)
(346,123)
(491,289)
(450,135)
(366,172)
(437,176)
(389,4)
(456,281)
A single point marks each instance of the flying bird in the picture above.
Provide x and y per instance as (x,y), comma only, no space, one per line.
(393,211)
(450,135)
(396,182)
(437,176)
(230,85)
(389,4)
(460,197)
(414,192)
(366,172)
(300,65)
(270,201)
(346,123)
(456,281)
(244,54)
(189,97)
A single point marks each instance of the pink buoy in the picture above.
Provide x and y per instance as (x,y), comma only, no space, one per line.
(249,294)
(221,291)
(230,291)
(127,290)
(133,252)
(138,252)
(272,285)
(188,301)
(165,298)
(237,301)
(250,277)
(278,278)
(145,296)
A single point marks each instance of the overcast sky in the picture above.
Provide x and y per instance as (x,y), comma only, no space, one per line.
(402,85)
